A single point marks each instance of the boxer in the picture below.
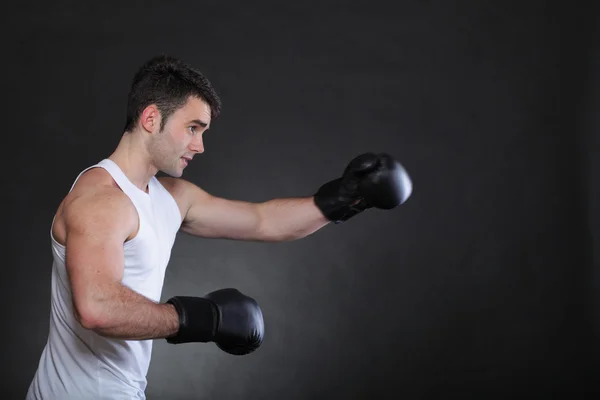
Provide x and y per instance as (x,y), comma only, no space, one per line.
(113,232)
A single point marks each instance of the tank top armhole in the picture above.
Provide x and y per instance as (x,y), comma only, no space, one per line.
(175,211)
(133,240)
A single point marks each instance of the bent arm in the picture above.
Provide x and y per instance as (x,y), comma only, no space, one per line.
(97,227)
(125,314)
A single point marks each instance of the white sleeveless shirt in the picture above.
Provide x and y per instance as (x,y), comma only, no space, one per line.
(77,363)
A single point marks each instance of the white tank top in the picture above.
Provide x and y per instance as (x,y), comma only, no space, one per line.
(77,363)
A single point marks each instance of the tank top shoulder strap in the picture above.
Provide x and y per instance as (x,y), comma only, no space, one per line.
(81,173)
(124,183)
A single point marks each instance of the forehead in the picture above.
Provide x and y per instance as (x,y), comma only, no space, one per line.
(195,108)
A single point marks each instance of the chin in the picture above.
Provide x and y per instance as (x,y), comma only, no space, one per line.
(174,172)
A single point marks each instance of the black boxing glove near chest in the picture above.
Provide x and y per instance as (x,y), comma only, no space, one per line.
(198,320)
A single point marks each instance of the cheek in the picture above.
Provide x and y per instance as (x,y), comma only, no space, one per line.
(174,143)
(179,137)
(187,141)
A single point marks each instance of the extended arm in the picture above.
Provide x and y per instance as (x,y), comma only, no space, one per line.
(370,180)
(276,220)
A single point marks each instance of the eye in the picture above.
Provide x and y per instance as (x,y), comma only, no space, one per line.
(192,130)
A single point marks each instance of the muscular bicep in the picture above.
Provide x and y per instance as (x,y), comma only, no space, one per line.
(96,228)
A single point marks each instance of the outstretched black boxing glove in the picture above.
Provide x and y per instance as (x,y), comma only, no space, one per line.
(227,317)
(369,180)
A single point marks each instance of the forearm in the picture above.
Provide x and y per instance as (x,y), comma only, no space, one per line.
(125,314)
(288,219)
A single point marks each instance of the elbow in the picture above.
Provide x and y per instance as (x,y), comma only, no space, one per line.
(88,315)
(90,324)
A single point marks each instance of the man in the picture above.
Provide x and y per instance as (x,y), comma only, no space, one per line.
(112,237)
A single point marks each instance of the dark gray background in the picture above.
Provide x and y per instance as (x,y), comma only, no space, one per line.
(482,286)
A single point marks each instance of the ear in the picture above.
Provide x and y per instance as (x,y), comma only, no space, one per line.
(150,118)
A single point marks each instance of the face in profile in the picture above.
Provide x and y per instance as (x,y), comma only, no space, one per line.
(181,138)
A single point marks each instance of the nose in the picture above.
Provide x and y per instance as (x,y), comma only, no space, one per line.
(197,145)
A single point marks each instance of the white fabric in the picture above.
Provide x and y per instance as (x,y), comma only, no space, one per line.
(79,364)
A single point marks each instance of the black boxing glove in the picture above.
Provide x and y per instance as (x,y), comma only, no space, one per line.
(230,319)
(369,180)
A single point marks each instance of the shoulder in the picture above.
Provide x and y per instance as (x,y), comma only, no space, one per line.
(96,200)
(178,187)
(183,191)
(97,184)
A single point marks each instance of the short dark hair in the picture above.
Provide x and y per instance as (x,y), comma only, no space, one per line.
(167,82)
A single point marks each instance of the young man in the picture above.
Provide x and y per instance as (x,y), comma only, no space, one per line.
(112,237)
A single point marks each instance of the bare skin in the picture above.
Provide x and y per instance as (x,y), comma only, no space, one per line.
(96,218)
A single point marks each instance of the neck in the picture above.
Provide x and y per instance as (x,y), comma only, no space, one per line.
(133,159)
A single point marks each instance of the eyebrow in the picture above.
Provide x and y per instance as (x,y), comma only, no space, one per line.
(198,122)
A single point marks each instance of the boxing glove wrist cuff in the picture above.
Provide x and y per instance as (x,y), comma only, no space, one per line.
(334,205)
(198,320)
